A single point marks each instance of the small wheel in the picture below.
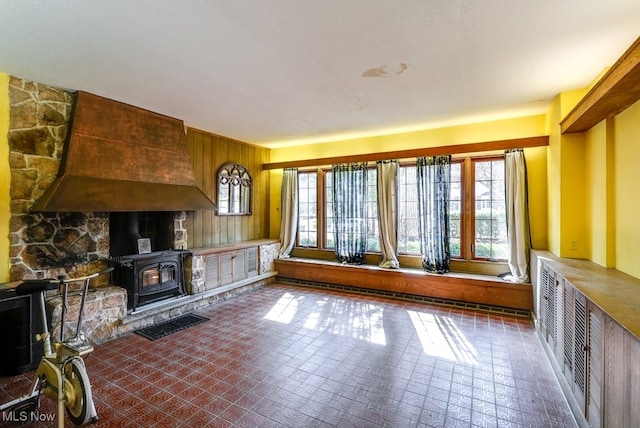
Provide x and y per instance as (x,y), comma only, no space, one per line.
(78,411)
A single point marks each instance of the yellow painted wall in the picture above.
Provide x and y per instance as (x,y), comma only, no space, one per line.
(626,132)
(5,179)
(593,197)
(600,196)
(469,133)
(553,177)
(573,220)
(568,234)
(536,158)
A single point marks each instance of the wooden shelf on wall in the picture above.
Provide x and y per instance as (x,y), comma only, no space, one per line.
(615,91)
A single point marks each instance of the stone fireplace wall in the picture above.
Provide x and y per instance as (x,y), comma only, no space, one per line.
(46,245)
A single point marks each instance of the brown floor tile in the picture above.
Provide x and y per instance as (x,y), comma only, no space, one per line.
(286,356)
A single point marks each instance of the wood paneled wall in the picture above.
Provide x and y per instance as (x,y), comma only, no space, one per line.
(208,153)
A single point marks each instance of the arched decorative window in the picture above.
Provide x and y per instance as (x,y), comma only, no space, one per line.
(234,190)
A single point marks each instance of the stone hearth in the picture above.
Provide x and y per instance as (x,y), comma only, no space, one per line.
(106,316)
(105,308)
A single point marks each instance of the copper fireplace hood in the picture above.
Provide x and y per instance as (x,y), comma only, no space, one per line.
(123,158)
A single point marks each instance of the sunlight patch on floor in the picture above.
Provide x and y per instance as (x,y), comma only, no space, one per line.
(284,310)
(347,318)
(359,320)
(440,337)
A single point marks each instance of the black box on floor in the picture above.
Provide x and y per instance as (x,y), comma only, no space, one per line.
(20,321)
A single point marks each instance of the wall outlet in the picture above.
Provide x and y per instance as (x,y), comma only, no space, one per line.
(574,245)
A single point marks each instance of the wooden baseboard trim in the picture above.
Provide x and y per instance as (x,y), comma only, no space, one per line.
(412,298)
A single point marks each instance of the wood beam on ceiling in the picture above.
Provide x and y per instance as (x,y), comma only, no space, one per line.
(614,92)
(516,143)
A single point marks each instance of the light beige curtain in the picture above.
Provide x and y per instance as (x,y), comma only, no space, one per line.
(517,210)
(288,211)
(387,184)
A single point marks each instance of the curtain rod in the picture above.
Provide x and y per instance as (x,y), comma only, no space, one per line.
(516,143)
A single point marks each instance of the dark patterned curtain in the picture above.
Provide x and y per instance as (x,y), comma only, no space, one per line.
(434,177)
(349,204)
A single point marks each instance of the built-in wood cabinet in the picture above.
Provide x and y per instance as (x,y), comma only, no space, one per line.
(226,265)
(572,327)
(230,266)
(587,319)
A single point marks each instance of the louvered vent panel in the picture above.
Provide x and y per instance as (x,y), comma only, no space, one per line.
(239,265)
(595,369)
(551,312)
(226,268)
(544,294)
(568,332)
(579,374)
(211,272)
(252,261)
(558,318)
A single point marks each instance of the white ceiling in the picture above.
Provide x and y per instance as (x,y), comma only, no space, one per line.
(279,72)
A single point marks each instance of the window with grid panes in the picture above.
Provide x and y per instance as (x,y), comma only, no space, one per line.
(329,226)
(490,225)
(455,210)
(371,214)
(477,224)
(373,233)
(307,209)
(408,224)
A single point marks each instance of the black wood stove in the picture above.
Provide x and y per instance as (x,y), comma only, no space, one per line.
(150,277)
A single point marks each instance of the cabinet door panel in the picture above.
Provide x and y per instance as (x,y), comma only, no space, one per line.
(252,261)
(568,334)
(226,268)
(543,297)
(211,271)
(558,318)
(632,363)
(596,366)
(551,312)
(580,347)
(239,266)
(614,389)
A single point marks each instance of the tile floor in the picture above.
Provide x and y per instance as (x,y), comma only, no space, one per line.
(289,356)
